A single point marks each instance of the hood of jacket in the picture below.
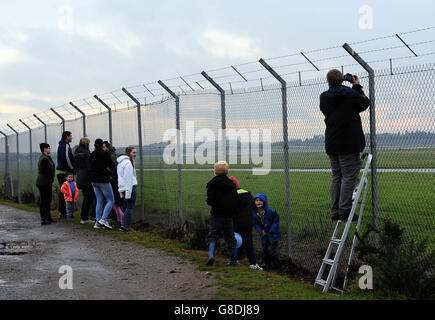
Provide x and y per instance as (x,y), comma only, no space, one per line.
(340,91)
(81,152)
(222,183)
(263,197)
(123,158)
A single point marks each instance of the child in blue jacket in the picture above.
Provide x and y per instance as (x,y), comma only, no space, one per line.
(266,222)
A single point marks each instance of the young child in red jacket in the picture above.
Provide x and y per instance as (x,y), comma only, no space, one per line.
(70,193)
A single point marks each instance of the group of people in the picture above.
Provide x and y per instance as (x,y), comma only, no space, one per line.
(107,182)
(234,209)
(112,180)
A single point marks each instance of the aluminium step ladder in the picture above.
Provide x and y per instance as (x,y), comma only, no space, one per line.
(340,242)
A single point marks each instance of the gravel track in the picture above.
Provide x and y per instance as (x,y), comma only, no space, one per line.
(103,268)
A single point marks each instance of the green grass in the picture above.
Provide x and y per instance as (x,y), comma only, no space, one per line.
(235,283)
(407,198)
(311,158)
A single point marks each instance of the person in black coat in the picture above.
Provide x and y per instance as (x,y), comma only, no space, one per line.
(101,164)
(344,138)
(83,180)
(243,225)
(224,201)
(116,213)
(44,182)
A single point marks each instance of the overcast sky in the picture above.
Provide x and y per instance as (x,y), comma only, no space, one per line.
(54,51)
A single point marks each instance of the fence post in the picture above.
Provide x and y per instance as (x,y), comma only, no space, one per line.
(110,116)
(223,115)
(179,150)
(18,165)
(139,128)
(285,149)
(83,117)
(45,127)
(7,176)
(31,155)
(61,118)
(374,174)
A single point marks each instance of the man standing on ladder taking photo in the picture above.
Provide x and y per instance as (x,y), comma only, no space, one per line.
(344,138)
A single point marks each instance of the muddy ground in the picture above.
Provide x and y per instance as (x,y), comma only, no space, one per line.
(102,268)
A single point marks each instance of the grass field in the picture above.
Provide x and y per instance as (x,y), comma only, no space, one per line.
(236,283)
(317,159)
(407,198)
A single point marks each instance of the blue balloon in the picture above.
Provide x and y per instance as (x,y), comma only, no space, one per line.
(239,240)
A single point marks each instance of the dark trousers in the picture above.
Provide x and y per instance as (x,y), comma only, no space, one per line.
(61,178)
(88,196)
(247,245)
(345,170)
(222,225)
(271,253)
(45,193)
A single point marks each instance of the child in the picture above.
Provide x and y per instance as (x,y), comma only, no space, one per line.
(70,192)
(266,222)
(243,224)
(224,201)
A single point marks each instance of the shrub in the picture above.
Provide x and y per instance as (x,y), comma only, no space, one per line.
(400,267)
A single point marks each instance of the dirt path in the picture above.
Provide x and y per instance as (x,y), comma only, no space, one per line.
(103,268)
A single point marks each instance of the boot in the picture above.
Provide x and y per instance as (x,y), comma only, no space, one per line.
(233,258)
(211,248)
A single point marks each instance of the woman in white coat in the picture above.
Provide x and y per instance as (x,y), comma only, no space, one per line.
(127,184)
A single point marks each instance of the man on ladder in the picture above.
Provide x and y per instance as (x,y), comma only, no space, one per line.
(344,141)
(344,137)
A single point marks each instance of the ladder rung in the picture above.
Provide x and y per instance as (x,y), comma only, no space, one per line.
(337,289)
(321,282)
(335,240)
(328,261)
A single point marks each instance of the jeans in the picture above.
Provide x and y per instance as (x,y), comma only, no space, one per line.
(69,206)
(345,170)
(88,194)
(45,193)
(219,225)
(61,178)
(126,220)
(103,191)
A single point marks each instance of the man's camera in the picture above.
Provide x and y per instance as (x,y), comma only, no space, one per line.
(348,77)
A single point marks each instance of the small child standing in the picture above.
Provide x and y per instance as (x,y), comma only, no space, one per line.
(70,193)
(266,222)
(224,201)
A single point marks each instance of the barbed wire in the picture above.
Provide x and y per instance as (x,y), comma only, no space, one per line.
(151,91)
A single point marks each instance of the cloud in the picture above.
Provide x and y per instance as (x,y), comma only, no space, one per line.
(9,54)
(15,109)
(120,40)
(25,96)
(228,45)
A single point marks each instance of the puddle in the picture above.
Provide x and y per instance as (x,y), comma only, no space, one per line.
(16,247)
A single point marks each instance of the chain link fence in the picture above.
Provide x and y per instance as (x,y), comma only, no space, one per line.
(250,115)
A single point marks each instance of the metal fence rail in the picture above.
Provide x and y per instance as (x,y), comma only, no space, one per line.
(216,110)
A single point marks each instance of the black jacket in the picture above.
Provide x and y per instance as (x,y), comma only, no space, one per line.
(46,171)
(222,196)
(244,221)
(83,165)
(341,106)
(101,163)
